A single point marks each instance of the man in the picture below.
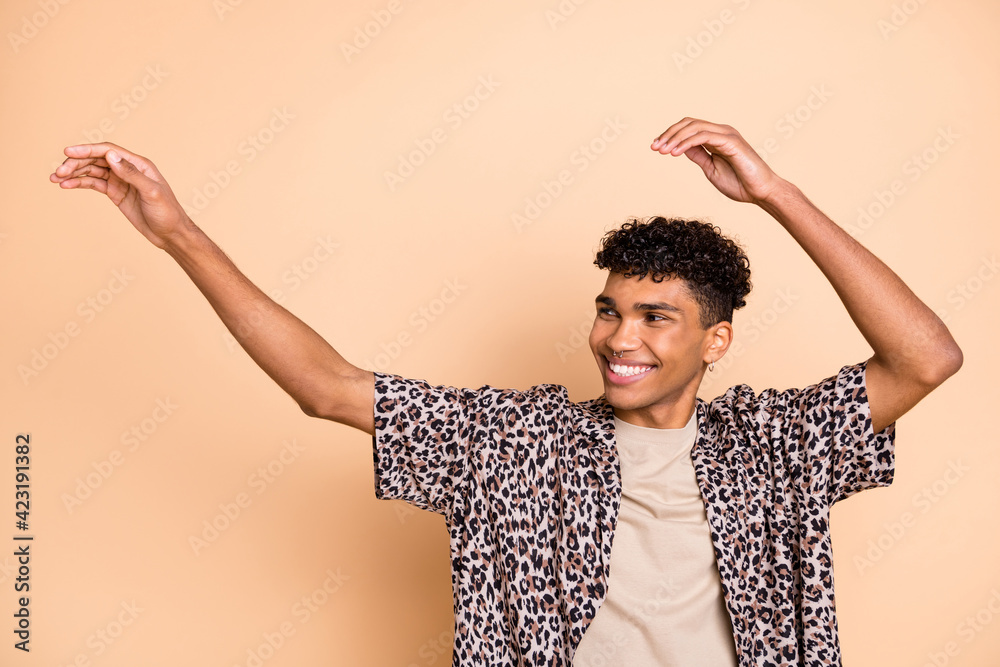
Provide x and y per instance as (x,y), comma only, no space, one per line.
(723,518)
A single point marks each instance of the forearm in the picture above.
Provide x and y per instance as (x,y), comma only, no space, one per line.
(906,336)
(320,380)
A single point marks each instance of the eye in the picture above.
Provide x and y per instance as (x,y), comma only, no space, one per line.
(606,312)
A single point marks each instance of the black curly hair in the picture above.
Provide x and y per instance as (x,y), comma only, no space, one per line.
(715,268)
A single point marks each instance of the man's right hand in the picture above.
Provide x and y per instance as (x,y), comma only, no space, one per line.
(131,182)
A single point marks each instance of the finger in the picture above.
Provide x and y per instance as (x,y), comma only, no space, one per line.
(90,170)
(692,133)
(92,150)
(95,171)
(87,183)
(702,158)
(128,172)
(713,142)
(663,142)
(99,152)
(70,165)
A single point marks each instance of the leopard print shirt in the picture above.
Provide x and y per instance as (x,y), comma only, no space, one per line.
(530,486)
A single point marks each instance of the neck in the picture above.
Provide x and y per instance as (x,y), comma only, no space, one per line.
(659,416)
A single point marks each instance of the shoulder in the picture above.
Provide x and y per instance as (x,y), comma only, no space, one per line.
(544,406)
(391,388)
(741,404)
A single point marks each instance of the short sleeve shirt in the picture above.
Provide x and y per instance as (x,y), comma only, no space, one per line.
(529,484)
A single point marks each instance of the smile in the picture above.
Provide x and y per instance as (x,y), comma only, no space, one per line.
(624,371)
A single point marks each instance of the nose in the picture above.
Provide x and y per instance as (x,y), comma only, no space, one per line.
(624,337)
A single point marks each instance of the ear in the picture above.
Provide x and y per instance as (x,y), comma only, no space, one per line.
(718,337)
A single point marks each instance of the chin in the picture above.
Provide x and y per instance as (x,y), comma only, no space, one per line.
(619,402)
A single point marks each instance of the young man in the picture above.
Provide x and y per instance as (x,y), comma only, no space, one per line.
(718,513)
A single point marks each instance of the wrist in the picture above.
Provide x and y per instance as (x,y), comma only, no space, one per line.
(183,240)
(779,197)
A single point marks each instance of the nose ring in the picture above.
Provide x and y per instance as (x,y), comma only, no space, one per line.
(618,354)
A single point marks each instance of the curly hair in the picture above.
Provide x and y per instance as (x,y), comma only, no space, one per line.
(715,268)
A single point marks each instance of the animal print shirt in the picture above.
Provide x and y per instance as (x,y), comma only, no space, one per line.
(530,486)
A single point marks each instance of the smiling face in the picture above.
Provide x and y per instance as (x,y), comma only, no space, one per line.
(656,327)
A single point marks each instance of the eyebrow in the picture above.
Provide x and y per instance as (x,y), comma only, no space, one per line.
(661,305)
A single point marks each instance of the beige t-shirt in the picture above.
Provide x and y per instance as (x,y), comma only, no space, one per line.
(665,604)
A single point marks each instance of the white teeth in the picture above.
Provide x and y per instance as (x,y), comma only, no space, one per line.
(628,371)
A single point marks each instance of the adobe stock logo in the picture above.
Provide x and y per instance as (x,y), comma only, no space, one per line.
(419,321)
(249,149)
(371,30)
(562,12)
(102,639)
(454,116)
(223,7)
(923,502)
(579,337)
(972,626)
(303,610)
(713,28)
(88,309)
(31,25)
(794,120)
(535,205)
(914,168)
(899,16)
(751,331)
(230,512)
(434,649)
(132,440)
(967,290)
(123,105)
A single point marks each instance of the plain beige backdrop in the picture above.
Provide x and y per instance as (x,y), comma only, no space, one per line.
(425,183)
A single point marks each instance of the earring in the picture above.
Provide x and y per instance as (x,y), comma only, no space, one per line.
(711,367)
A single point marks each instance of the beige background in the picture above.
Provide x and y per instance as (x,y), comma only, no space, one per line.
(840,96)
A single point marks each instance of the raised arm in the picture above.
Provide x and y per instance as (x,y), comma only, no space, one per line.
(913,350)
(322,382)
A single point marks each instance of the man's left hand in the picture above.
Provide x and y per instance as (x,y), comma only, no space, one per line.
(728,161)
